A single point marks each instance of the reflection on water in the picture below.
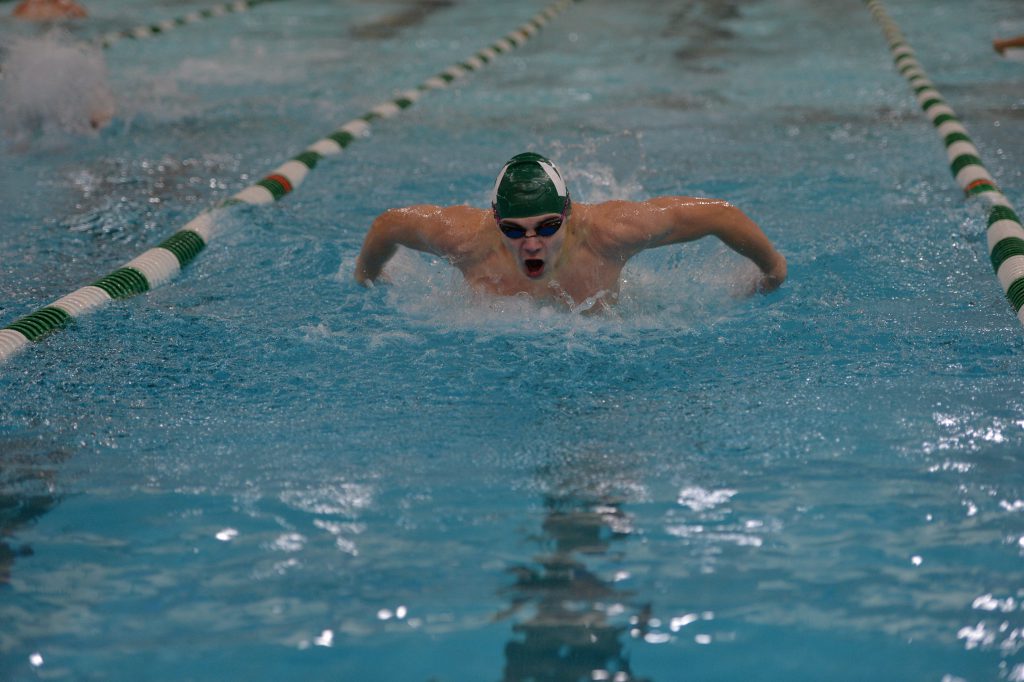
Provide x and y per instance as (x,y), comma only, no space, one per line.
(27,488)
(575,617)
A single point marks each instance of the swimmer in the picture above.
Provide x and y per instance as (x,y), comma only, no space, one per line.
(48,10)
(1001,46)
(536,241)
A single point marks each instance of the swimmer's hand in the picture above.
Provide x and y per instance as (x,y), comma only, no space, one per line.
(772,278)
(380,245)
(370,266)
(364,279)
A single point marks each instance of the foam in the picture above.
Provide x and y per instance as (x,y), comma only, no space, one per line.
(675,288)
(53,84)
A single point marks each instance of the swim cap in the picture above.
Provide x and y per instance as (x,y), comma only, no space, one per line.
(529,185)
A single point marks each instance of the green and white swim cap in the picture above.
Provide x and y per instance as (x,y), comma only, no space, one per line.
(527,186)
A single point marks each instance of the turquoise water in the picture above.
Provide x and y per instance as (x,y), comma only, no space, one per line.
(263,471)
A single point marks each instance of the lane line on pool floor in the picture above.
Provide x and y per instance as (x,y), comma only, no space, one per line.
(1005,233)
(162,263)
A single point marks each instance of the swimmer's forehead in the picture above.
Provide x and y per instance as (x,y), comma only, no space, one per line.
(522,170)
(541,218)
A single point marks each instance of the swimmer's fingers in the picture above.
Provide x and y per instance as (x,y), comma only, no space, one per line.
(769,283)
(773,279)
(380,279)
(750,287)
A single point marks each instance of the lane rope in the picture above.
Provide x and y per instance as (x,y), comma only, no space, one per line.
(149,30)
(161,27)
(162,263)
(1005,233)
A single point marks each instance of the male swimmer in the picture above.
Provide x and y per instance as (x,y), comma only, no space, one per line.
(536,241)
(48,10)
(1001,46)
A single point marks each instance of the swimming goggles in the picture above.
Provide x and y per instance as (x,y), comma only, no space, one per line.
(545,229)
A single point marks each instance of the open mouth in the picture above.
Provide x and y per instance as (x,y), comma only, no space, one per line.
(534,267)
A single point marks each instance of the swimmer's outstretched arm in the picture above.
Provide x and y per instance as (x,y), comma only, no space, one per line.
(433,229)
(743,236)
(672,220)
(1001,46)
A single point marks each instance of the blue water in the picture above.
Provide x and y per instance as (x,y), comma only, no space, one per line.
(263,471)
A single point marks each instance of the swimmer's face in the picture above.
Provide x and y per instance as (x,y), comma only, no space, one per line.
(534,242)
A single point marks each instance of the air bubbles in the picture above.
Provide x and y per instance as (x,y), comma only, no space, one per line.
(987,602)
(608,676)
(679,622)
(288,542)
(975,636)
(398,613)
(700,499)
(324,639)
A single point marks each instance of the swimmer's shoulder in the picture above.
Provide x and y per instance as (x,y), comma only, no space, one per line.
(431,217)
(457,231)
(635,223)
(614,226)
(608,215)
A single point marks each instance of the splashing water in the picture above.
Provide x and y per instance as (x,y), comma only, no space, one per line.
(54,85)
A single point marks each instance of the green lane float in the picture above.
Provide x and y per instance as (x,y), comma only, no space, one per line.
(159,28)
(162,263)
(1005,233)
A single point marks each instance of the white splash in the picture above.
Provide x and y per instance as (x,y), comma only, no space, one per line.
(53,84)
(701,499)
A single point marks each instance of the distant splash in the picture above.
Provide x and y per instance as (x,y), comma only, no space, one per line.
(604,167)
(53,85)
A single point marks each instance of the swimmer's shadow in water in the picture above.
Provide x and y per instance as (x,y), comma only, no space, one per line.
(26,482)
(391,25)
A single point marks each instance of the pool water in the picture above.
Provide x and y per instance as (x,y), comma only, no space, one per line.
(264,471)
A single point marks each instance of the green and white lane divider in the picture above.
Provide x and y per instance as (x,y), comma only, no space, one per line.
(161,27)
(162,263)
(1005,233)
